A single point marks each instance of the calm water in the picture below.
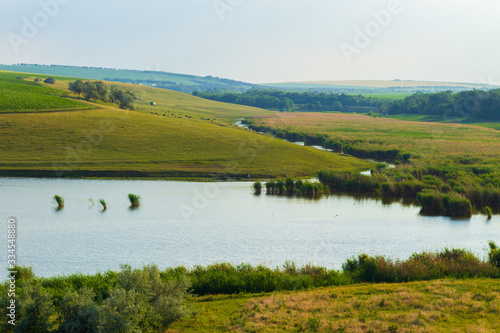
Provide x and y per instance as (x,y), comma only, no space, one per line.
(181,223)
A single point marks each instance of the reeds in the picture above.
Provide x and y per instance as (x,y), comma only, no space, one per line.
(59,200)
(103,203)
(135,200)
(257,186)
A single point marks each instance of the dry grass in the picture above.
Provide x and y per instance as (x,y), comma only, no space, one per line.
(439,306)
(435,306)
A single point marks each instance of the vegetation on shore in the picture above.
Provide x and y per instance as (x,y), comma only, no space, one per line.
(290,186)
(458,166)
(150,299)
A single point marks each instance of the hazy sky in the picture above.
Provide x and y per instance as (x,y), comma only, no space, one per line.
(262,40)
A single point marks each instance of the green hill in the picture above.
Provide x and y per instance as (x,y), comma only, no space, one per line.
(181,136)
(19,95)
(177,82)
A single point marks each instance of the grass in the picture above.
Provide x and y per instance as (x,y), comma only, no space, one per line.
(108,142)
(21,95)
(103,203)
(135,200)
(445,157)
(436,306)
(59,200)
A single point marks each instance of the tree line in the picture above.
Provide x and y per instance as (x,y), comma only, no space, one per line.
(287,100)
(465,104)
(97,90)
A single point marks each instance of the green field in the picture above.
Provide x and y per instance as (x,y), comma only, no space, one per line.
(182,136)
(21,95)
(389,96)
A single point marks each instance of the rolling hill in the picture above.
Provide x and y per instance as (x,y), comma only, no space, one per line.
(181,136)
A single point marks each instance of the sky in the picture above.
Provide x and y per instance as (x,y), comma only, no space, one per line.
(262,41)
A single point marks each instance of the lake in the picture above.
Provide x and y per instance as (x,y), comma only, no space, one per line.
(184,223)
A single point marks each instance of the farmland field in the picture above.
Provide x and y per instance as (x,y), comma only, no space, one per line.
(19,95)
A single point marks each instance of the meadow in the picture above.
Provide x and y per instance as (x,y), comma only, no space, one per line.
(17,94)
(181,136)
(445,157)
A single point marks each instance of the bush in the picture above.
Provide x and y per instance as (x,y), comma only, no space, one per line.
(50,80)
(257,186)
(135,200)
(455,263)
(103,203)
(494,254)
(79,312)
(59,200)
(488,212)
(35,310)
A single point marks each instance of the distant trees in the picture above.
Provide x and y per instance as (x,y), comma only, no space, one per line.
(98,90)
(284,99)
(465,104)
(50,80)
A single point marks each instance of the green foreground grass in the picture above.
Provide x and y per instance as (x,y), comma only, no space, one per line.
(432,306)
(181,137)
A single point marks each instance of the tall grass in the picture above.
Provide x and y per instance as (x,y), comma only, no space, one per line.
(290,187)
(103,203)
(257,186)
(135,200)
(59,200)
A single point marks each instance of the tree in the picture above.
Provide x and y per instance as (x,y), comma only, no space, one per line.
(89,91)
(76,87)
(50,80)
(337,106)
(101,90)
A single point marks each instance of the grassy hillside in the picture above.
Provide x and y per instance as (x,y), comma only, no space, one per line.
(167,140)
(432,306)
(178,82)
(20,95)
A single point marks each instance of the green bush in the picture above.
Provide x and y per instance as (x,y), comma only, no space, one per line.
(135,200)
(494,254)
(257,186)
(59,200)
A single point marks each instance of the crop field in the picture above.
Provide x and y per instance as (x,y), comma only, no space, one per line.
(17,95)
(172,139)
(390,96)
(459,158)
(431,306)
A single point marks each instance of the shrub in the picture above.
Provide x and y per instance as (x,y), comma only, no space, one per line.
(103,203)
(270,187)
(494,254)
(79,312)
(59,200)
(50,80)
(487,211)
(35,310)
(135,200)
(257,186)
